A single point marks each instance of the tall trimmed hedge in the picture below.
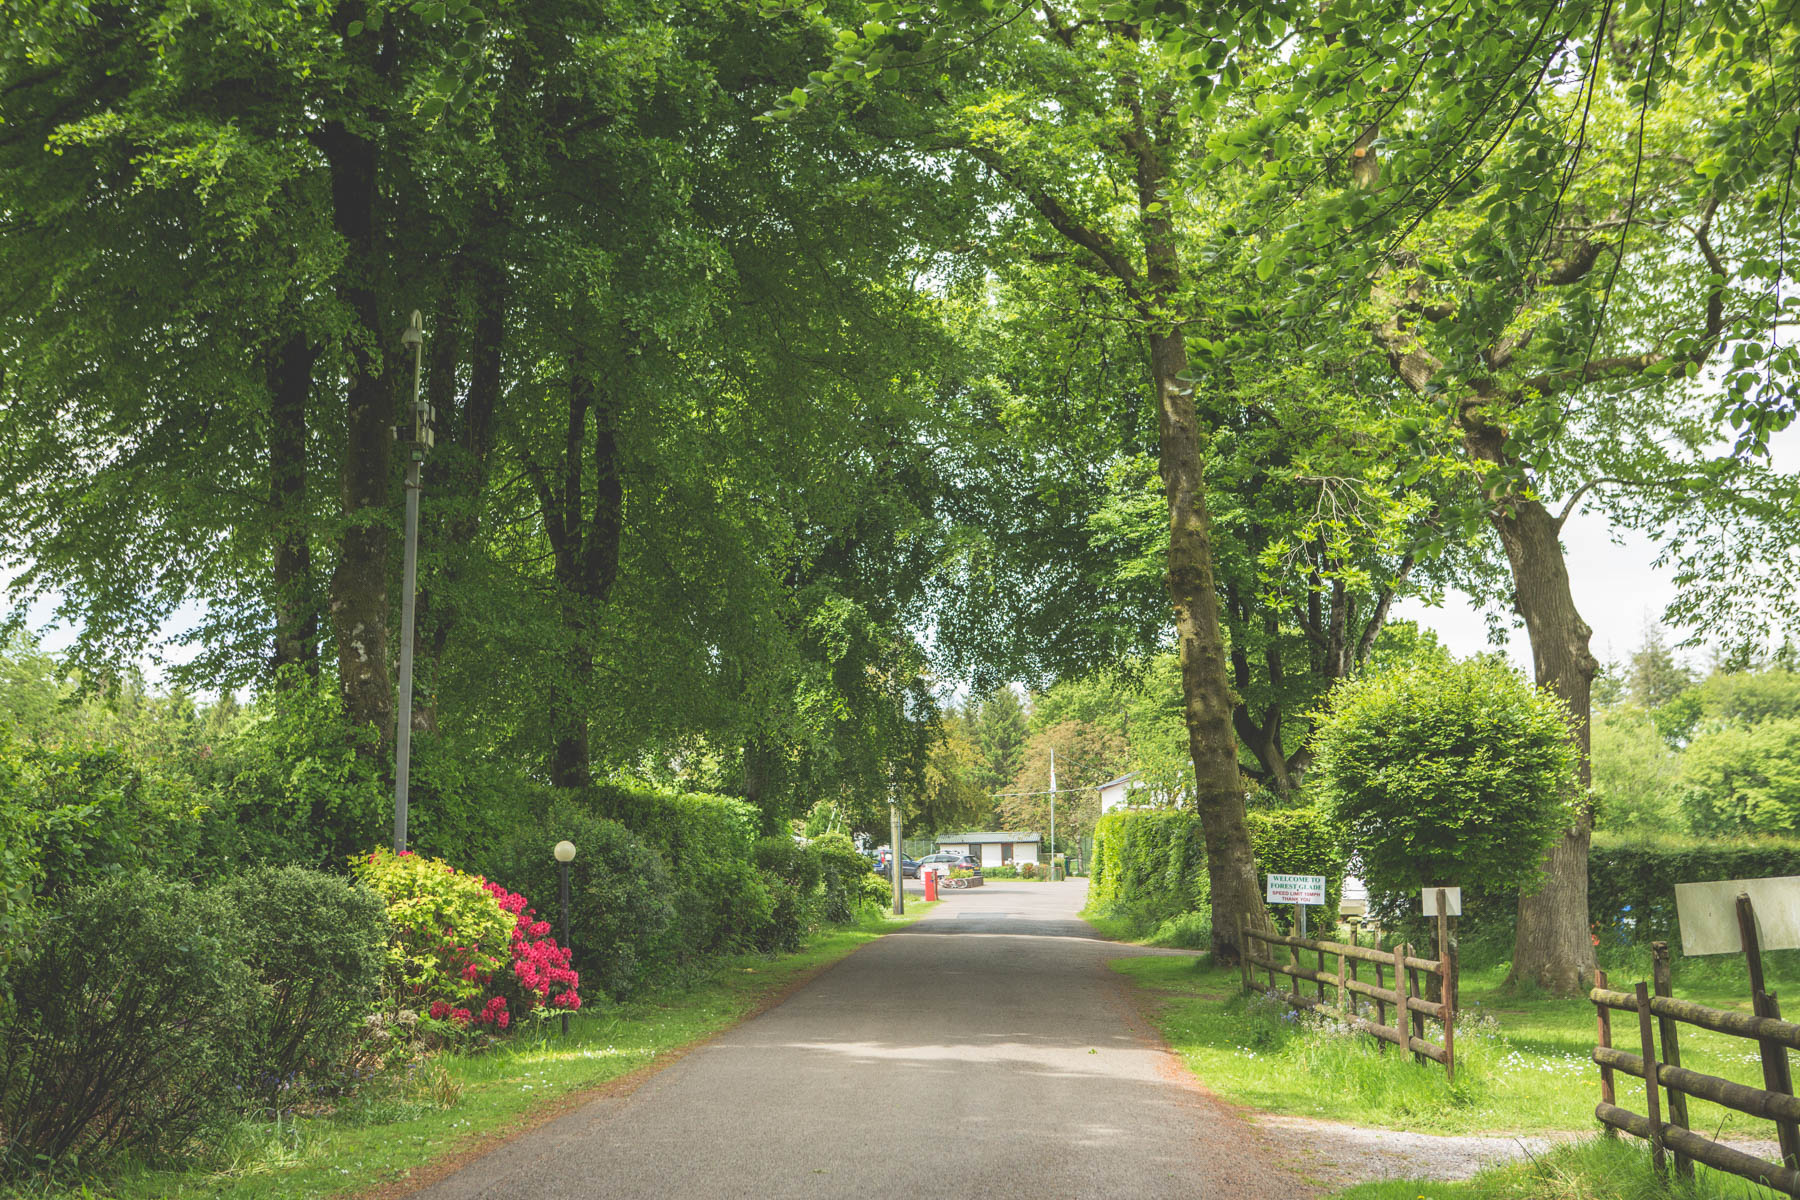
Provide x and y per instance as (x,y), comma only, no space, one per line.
(1631,882)
(1151,864)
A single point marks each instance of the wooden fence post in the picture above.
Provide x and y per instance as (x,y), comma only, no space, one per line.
(1418,1014)
(1294,961)
(1380,1004)
(1244,949)
(1663,980)
(1320,982)
(1653,1108)
(1604,1016)
(1446,984)
(1346,1000)
(1403,993)
(1776,1076)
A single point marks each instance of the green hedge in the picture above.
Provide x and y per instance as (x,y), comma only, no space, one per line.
(1151,865)
(1631,881)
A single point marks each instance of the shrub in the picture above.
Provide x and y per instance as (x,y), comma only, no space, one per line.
(845,879)
(1631,881)
(1300,841)
(721,900)
(1151,862)
(293,782)
(791,873)
(1447,772)
(621,909)
(447,931)
(317,944)
(124,1015)
(1150,866)
(539,973)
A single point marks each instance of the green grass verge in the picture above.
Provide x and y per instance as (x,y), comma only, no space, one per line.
(1523,1059)
(1601,1169)
(393,1128)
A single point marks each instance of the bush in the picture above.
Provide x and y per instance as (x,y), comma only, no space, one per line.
(447,931)
(539,973)
(1447,773)
(621,908)
(721,900)
(1150,866)
(848,886)
(293,783)
(1151,863)
(1631,881)
(1300,841)
(316,944)
(124,1016)
(791,873)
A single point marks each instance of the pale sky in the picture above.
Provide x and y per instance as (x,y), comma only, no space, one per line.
(1616,588)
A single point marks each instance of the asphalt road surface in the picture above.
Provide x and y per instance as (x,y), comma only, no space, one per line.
(985,1050)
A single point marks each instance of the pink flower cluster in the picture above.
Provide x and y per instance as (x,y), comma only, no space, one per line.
(540,967)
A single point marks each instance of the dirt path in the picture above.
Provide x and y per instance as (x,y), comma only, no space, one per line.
(987,1047)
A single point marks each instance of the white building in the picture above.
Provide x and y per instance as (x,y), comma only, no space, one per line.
(1116,793)
(993,849)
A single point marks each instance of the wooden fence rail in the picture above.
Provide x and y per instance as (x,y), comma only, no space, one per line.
(1404,995)
(1665,1077)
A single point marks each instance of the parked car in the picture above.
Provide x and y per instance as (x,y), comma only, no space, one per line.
(945,862)
(909,868)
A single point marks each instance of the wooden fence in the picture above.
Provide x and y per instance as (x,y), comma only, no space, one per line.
(1356,995)
(1663,1073)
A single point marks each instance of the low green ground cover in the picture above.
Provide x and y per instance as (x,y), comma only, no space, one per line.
(1599,1169)
(451,1101)
(1523,1059)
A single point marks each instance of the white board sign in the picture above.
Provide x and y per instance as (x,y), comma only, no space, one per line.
(1452,901)
(1296,889)
(1708,913)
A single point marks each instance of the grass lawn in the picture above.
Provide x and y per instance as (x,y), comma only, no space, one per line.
(456,1102)
(1523,1060)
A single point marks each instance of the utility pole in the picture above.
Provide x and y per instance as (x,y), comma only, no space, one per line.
(894,842)
(1053,813)
(419,441)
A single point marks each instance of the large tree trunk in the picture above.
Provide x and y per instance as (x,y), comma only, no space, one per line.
(296,602)
(1205,672)
(456,476)
(359,595)
(1553,947)
(586,555)
(1206,693)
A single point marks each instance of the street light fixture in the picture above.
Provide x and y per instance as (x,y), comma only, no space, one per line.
(419,438)
(565,854)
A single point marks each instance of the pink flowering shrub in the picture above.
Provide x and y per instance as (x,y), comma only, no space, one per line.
(471,953)
(540,971)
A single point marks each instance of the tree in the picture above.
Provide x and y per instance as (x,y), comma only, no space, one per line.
(1087,755)
(1744,779)
(1446,775)
(1654,676)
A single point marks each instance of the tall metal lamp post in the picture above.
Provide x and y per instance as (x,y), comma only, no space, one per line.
(418,438)
(565,854)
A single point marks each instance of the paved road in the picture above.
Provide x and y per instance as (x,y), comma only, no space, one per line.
(983,1050)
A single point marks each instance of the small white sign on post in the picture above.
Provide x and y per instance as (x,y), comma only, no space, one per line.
(1452,901)
(1296,889)
(1708,913)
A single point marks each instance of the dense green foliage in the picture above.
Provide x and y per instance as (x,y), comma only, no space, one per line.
(1631,880)
(1150,864)
(125,1018)
(1446,774)
(315,943)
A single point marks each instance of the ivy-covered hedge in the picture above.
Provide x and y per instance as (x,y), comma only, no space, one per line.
(1631,881)
(1151,864)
